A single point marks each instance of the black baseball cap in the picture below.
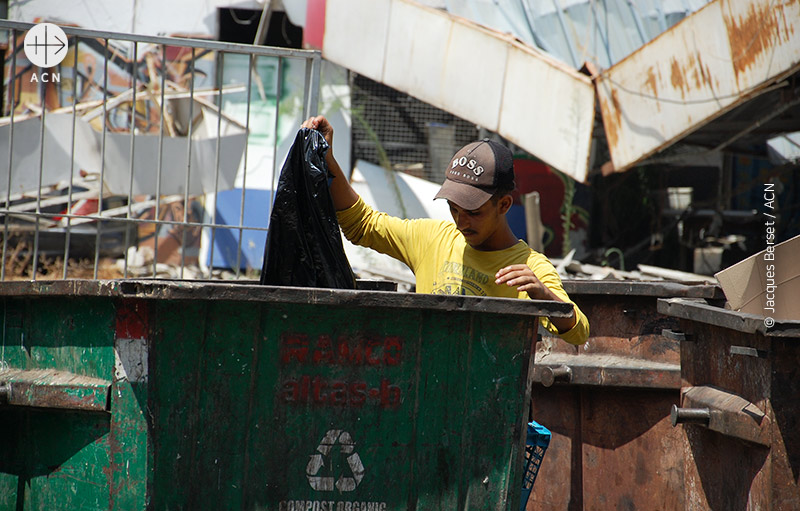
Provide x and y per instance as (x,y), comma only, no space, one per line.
(476,172)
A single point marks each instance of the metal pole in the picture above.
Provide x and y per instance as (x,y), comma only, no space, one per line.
(306,90)
(529,18)
(638,20)
(273,184)
(220,81)
(533,221)
(246,49)
(160,159)
(313,100)
(134,69)
(102,162)
(603,35)
(12,96)
(188,166)
(250,65)
(35,261)
(263,24)
(563,24)
(68,233)
(662,19)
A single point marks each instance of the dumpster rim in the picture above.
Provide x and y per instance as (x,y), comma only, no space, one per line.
(699,311)
(153,289)
(662,289)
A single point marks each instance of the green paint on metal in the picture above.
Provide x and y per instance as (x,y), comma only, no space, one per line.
(128,450)
(431,403)
(55,333)
(53,459)
(245,403)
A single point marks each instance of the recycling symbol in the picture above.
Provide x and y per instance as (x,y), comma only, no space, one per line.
(317,461)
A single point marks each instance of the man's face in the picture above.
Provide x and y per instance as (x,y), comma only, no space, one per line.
(479,225)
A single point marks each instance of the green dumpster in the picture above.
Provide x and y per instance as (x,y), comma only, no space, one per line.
(175,395)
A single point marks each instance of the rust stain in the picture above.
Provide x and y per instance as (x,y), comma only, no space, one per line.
(788,28)
(652,84)
(700,72)
(705,72)
(692,65)
(753,35)
(612,118)
(617,107)
(677,78)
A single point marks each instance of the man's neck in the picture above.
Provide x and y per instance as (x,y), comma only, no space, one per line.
(502,239)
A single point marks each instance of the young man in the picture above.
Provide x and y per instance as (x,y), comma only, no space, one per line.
(479,254)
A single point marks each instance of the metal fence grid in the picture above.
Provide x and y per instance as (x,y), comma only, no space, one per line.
(89,161)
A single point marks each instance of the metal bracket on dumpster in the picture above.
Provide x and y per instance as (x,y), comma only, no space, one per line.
(722,412)
(748,351)
(48,388)
(676,335)
(605,370)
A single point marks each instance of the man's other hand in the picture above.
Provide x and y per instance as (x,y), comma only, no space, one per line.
(523,278)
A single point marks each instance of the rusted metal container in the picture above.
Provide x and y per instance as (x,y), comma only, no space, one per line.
(607,402)
(164,395)
(739,408)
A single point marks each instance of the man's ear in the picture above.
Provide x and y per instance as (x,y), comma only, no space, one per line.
(505,204)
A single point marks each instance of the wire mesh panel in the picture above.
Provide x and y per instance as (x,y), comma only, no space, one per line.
(395,130)
(139,156)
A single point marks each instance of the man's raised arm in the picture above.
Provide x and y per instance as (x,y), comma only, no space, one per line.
(342,193)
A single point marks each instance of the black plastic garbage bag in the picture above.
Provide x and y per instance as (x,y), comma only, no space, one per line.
(304,246)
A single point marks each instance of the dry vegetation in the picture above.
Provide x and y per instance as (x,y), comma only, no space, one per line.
(18,266)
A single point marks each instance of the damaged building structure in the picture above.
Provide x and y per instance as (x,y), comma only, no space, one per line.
(656,143)
(697,98)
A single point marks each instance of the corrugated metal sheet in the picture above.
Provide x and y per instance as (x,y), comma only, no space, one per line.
(576,31)
(483,76)
(713,61)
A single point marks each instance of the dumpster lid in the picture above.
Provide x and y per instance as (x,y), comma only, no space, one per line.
(634,288)
(698,310)
(188,290)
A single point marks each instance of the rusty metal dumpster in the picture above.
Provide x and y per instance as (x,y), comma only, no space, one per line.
(739,408)
(176,395)
(607,402)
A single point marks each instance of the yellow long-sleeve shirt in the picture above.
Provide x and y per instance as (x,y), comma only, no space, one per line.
(444,263)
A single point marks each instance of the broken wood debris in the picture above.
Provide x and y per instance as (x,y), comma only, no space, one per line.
(644,273)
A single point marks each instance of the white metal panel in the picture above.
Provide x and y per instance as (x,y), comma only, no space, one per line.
(55,156)
(700,69)
(416,48)
(116,172)
(147,17)
(549,111)
(462,68)
(764,38)
(473,74)
(355,34)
